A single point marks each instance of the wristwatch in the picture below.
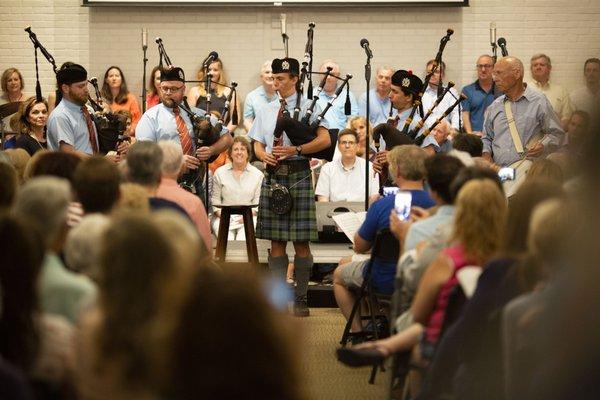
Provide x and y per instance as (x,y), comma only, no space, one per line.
(299,150)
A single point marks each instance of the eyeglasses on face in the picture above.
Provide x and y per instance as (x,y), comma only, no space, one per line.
(484,66)
(171,89)
(347,143)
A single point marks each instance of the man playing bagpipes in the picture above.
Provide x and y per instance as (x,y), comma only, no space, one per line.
(174,120)
(284,139)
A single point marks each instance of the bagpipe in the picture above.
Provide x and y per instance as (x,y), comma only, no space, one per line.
(110,127)
(301,130)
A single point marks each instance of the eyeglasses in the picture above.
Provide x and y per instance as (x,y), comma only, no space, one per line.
(484,66)
(167,89)
(347,143)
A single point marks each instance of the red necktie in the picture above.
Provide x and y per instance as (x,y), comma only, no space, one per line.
(90,126)
(184,134)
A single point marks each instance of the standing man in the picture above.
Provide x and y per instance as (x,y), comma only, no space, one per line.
(480,94)
(541,66)
(337,116)
(70,126)
(288,166)
(587,98)
(532,114)
(259,97)
(167,121)
(379,107)
(431,94)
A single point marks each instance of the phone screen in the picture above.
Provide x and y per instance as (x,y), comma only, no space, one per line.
(390,190)
(506,174)
(402,205)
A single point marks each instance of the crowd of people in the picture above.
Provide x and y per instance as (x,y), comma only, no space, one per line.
(108,285)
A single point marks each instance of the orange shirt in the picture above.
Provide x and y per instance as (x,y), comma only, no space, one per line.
(133,107)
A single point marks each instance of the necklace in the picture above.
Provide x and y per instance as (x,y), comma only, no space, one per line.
(36,140)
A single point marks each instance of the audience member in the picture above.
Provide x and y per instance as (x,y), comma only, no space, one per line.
(120,337)
(442,142)
(540,68)
(545,169)
(344,179)
(19,159)
(45,202)
(96,185)
(533,115)
(82,245)
(478,229)
(265,364)
(114,91)
(578,129)
(30,122)
(172,163)
(587,97)
(9,184)
(480,94)
(470,353)
(61,165)
(143,167)
(407,168)
(153,96)
(359,125)
(39,343)
(380,105)
(236,183)
(134,198)
(469,143)
(344,105)
(260,96)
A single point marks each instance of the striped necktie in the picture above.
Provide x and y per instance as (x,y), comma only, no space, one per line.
(90,126)
(184,134)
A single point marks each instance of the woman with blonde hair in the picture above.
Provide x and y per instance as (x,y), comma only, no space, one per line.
(478,229)
(12,92)
(359,125)
(219,93)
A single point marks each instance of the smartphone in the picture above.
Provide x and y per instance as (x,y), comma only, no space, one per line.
(390,190)
(506,174)
(402,204)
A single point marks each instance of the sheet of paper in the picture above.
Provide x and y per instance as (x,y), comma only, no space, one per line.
(350,222)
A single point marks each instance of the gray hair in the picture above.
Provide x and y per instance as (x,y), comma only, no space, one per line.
(82,247)
(144,161)
(541,55)
(172,157)
(45,201)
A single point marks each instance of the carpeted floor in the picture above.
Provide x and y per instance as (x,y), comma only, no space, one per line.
(326,378)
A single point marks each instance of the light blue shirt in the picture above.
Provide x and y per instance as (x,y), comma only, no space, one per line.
(337,112)
(255,100)
(379,109)
(68,125)
(158,123)
(424,229)
(264,124)
(532,112)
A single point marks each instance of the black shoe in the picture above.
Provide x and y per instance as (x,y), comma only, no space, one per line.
(359,357)
(301,309)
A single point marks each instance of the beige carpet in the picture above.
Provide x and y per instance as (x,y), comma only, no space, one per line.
(325,377)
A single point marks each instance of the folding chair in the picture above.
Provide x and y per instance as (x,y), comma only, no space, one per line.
(385,249)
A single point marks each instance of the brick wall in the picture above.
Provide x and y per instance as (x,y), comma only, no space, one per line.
(403,37)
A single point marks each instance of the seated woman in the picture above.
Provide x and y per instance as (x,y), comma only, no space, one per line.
(153,98)
(40,344)
(219,93)
(30,121)
(114,91)
(237,183)
(12,92)
(477,231)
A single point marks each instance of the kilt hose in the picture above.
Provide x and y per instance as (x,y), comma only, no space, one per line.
(300,224)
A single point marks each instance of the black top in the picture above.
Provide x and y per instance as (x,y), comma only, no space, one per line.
(216,102)
(30,144)
(158,203)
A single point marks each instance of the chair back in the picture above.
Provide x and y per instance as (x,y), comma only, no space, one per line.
(386,247)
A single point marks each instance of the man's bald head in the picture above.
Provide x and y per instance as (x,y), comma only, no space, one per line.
(508,75)
(331,83)
(514,64)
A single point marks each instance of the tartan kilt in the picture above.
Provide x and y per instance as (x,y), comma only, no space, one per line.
(300,224)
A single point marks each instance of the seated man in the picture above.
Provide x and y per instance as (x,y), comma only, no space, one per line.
(468,143)
(438,140)
(96,183)
(407,168)
(344,179)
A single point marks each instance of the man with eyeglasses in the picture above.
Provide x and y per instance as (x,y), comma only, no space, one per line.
(343,179)
(541,66)
(480,94)
(167,121)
